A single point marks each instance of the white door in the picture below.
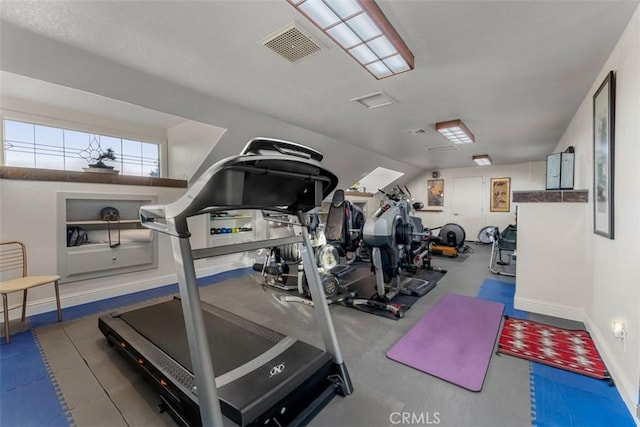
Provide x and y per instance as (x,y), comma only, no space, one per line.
(467,205)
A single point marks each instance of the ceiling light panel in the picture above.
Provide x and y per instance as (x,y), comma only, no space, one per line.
(344,36)
(455,131)
(322,15)
(363,54)
(344,8)
(482,160)
(361,28)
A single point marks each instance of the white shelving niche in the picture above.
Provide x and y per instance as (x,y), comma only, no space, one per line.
(229,227)
(138,249)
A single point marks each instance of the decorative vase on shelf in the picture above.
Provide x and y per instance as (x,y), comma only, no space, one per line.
(96,168)
(100,167)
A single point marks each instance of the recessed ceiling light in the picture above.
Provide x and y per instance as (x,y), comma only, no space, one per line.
(455,131)
(482,159)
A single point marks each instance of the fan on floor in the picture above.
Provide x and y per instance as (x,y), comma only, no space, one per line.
(486,235)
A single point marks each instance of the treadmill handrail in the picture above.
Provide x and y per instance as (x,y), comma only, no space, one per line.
(228,185)
(257,145)
(243,247)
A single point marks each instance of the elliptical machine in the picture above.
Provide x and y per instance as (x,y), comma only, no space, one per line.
(389,232)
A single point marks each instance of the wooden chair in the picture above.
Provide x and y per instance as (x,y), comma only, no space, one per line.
(13,270)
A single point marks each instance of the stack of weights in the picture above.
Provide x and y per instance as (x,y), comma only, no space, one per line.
(227,230)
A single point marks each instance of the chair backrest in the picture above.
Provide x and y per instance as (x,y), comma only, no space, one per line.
(13,260)
(337,218)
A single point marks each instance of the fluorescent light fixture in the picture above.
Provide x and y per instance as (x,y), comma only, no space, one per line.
(455,131)
(482,160)
(361,29)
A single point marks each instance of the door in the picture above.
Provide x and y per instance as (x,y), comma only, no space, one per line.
(467,208)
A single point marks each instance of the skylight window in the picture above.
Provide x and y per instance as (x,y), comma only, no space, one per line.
(378,179)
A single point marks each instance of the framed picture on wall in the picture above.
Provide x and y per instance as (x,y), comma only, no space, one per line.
(435,190)
(500,195)
(603,156)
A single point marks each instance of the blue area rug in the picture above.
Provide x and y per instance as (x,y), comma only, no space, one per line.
(502,292)
(562,398)
(28,394)
(559,397)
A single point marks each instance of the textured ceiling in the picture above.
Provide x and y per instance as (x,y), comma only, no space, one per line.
(513,71)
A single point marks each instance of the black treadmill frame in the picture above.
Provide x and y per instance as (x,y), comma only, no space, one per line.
(176,384)
(297,184)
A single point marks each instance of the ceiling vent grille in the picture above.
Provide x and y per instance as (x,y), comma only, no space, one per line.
(291,43)
(375,100)
(420,131)
(443,148)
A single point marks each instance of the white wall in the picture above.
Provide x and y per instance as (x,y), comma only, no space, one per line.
(601,277)
(28,210)
(524,176)
(191,143)
(553,275)
(615,293)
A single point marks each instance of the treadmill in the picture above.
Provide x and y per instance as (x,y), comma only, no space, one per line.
(207,362)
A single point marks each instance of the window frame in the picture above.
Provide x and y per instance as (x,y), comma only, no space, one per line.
(93,128)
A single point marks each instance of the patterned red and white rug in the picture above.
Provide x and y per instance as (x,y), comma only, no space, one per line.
(572,350)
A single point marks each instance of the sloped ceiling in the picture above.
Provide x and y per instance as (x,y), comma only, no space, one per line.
(514,71)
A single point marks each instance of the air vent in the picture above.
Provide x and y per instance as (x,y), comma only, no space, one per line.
(292,43)
(374,100)
(443,148)
(420,131)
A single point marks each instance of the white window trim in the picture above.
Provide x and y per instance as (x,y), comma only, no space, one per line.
(84,127)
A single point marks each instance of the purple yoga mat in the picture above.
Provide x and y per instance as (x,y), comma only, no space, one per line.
(453,341)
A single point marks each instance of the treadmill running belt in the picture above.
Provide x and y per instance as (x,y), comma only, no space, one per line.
(231,345)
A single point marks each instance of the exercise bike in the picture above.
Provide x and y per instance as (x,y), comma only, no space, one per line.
(389,234)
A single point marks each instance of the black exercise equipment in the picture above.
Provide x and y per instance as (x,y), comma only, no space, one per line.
(390,232)
(450,240)
(249,373)
(504,242)
(345,220)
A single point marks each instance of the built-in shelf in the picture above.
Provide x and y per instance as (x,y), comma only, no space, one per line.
(429,210)
(33,174)
(230,217)
(101,222)
(551,196)
(357,194)
(236,227)
(137,249)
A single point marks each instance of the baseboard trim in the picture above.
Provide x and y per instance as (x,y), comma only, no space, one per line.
(549,309)
(45,305)
(625,386)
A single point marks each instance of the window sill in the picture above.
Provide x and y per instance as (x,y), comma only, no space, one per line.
(31,174)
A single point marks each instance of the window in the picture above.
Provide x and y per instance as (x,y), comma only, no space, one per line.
(45,147)
(378,179)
